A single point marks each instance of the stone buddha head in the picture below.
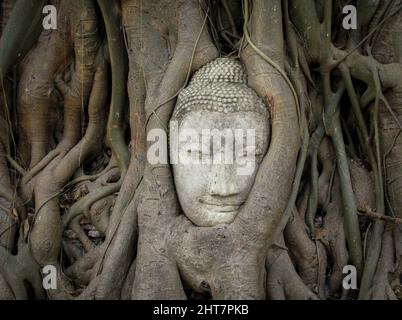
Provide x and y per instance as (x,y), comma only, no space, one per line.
(226,135)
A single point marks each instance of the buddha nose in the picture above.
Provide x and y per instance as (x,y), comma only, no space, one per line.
(222,182)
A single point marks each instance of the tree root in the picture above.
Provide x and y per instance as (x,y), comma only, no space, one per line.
(283,282)
(20,270)
(381,288)
(309,254)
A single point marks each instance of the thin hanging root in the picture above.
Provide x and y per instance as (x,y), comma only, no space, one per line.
(318,135)
(374,247)
(15,165)
(118,57)
(367,212)
(351,221)
(333,128)
(41,165)
(364,137)
(230,18)
(375,163)
(222,31)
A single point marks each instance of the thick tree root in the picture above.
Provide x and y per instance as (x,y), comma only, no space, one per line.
(21,270)
(283,282)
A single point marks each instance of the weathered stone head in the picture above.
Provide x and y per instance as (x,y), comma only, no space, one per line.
(223,129)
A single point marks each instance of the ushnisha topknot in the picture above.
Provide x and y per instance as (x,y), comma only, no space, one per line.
(221,86)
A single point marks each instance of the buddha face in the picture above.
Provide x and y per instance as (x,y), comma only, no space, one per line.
(211,186)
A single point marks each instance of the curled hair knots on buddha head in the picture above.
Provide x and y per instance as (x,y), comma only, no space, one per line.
(220,86)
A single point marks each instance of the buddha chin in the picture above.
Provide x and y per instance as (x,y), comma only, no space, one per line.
(223,126)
